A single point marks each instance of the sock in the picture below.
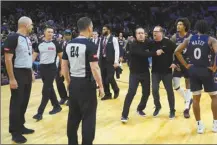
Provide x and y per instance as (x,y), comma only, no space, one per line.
(181,92)
(188,97)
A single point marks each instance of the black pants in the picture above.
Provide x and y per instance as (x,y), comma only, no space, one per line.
(134,81)
(108,71)
(19,100)
(48,73)
(82,107)
(167,81)
(60,86)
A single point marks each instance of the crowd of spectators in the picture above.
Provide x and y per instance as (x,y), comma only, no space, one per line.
(122,16)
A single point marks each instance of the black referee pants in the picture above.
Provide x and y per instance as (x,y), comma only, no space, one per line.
(19,100)
(60,86)
(134,81)
(82,107)
(48,73)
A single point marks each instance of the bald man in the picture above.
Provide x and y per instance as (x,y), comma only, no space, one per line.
(18,60)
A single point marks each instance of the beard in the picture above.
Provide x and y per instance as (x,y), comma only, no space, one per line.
(105,33)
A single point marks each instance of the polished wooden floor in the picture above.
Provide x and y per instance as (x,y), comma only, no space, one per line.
(109,129)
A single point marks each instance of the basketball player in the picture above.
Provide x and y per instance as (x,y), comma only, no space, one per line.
(81,55)
(18,61)
(200,70)
(183,26)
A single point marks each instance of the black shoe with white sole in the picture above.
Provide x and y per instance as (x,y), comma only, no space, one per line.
(141,113)
(124,119)
(172,115)
(156,112)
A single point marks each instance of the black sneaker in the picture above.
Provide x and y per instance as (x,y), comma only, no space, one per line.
(106,98)
(141,113)
(27,131)
(62,101)
(124,119)
(186,113)
(172,115)
(55,110)
(156,112)
(18,138)
(38,117)
(116,94)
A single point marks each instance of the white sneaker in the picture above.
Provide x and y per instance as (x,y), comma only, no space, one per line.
(214,129)
(124,120)
(200,128)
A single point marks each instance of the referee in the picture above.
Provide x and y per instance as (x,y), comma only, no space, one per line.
(59,78)
(81,54)
(48,49)
(18,60)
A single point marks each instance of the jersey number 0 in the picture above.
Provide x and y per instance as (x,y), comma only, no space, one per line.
(197,53)
(74,51)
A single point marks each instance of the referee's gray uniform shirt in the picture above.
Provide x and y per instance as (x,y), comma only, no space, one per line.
(21,47)
(48,51)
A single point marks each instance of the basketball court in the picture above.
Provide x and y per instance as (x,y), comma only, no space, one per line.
(109,129)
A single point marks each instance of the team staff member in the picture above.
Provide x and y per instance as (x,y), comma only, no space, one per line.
(59,78)
(162,70)
(121,42)
(130,40)
(48,49)
(199,48)
(18,61)
(81,55)
(108,54)
(96,39)
(183,26)
(139,73)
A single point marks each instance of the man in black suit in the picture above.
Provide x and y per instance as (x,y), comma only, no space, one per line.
(108,54)
(96,39)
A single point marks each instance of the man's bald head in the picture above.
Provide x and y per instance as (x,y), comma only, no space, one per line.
(25,23)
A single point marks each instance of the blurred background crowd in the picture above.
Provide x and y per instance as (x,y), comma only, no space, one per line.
(122,16)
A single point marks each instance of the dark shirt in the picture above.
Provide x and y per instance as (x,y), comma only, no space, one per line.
(161,64)
(199,51)
(139,53)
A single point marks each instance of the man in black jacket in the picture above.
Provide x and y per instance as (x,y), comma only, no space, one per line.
(139,73)
(162,70)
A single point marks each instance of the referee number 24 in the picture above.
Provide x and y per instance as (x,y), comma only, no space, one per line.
(74,51)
